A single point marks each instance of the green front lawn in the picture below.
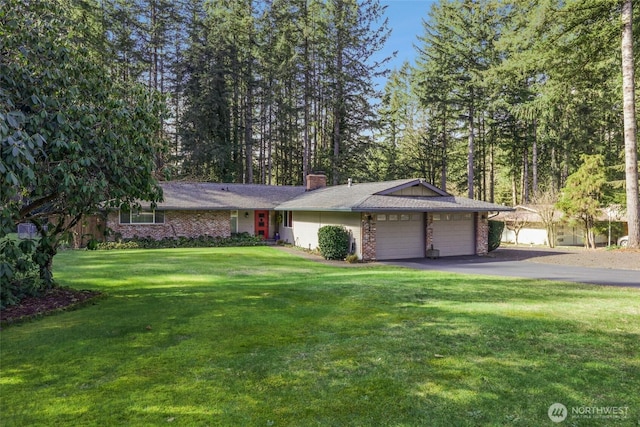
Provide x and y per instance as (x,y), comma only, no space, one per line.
(256,337)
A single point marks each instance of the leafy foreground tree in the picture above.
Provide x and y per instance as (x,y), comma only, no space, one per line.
(581,196)
(73,138)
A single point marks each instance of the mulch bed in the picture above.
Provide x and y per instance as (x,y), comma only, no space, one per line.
(52,301)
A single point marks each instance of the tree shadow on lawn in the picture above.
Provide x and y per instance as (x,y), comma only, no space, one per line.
(421,351)
(445,363)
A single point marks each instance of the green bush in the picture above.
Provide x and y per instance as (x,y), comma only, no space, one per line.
(19,275)
(92,244)
(352,258)
(333,242)
(241,239)
(495,234)
(107,246)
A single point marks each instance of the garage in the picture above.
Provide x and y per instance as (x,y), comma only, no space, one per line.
(454,233)
(391,218)
(399,235)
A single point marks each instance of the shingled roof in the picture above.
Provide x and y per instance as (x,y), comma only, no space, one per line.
(215,196)
(363,197)
(385,196)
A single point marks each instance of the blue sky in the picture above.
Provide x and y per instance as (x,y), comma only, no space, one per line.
(405,21)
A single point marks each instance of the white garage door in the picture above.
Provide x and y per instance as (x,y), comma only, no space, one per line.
(454,234)
(399,235)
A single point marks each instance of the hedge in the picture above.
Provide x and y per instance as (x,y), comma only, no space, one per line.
(241,239)
(495,234)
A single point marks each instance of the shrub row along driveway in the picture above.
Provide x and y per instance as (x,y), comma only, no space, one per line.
(598,267)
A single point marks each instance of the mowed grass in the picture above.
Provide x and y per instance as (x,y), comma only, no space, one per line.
(257,337)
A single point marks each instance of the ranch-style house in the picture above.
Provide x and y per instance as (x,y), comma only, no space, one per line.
(407,218)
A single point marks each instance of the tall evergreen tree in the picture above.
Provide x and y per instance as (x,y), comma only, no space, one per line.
(393,123)
(456,51)
(579,49)
(630,134)
(354,31)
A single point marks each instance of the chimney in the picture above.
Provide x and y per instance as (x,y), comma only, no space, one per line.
(315,181)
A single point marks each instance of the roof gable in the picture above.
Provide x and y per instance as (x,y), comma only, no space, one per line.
(400,195)
(418,188)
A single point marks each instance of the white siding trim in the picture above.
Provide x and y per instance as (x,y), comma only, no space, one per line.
(304,232)
(245,223)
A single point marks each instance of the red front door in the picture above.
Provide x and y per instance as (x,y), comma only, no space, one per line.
(262,224)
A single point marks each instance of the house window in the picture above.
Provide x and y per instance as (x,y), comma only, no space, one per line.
(142,216)
(287,219)
(381,217)
(234,222)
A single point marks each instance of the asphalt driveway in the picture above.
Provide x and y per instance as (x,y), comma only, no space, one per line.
(525,269)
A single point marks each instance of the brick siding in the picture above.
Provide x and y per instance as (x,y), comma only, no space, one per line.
(368,237)
(176,224)
(482,233)
(428,232)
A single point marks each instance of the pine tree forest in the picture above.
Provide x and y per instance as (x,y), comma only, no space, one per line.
(502,102)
